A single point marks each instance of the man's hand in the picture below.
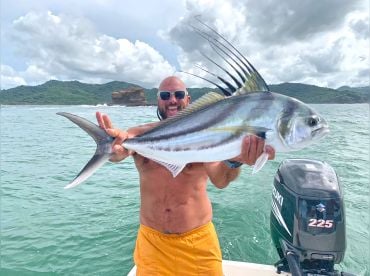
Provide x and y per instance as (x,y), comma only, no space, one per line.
(118,151)
(252,148)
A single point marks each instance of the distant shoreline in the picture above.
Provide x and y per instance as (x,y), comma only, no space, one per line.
(151,105)
(77,93)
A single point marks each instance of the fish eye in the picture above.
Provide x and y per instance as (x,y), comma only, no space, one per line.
(313,121)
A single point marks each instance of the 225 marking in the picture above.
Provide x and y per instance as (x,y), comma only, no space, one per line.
(321,223)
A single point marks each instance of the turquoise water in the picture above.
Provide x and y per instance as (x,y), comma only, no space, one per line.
(91,229)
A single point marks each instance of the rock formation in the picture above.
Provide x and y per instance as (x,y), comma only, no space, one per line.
(132,96)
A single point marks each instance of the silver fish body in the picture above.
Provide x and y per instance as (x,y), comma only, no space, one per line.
(215,132)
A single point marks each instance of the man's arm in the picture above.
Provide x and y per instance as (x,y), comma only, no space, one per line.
(221,175)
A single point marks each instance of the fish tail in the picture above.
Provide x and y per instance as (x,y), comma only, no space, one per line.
(103,150)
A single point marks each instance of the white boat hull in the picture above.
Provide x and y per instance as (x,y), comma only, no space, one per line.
(234,268)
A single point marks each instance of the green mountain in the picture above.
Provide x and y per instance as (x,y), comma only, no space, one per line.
(62,93)
(355,89)
(76,93)
(315,94)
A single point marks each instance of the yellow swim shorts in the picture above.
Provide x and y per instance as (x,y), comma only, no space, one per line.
(196,252)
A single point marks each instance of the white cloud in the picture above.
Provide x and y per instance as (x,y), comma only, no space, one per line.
(33,75)
(312,42)
(315,42)
(10,78)
(68,48)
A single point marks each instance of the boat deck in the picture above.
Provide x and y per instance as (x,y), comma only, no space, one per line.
(234,268)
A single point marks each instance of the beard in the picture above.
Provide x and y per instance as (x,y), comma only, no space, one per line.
(162,112)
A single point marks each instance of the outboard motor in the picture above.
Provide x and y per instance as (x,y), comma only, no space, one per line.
(307,218)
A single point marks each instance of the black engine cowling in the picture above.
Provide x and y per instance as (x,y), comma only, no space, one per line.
(307,216)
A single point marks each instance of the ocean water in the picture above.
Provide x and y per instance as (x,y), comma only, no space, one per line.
(91,229)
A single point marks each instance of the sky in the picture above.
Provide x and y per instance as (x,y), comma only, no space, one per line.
(324,43)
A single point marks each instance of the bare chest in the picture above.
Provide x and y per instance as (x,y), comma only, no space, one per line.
(157,182)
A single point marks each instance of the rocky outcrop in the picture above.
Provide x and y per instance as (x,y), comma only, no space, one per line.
(132,96)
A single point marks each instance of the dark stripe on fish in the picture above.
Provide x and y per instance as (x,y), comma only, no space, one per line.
(290,108)
(147,137)
(264,103)
(236,136)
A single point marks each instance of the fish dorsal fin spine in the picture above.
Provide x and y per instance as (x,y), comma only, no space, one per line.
(202,102)
(251,85)
(205,100)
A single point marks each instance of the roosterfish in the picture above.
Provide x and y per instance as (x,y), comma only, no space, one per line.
(213,127)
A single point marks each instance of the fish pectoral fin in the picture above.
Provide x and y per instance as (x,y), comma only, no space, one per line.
(175,169)
(256,130)
(260,162)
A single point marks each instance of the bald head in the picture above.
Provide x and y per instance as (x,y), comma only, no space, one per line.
(172,83)
(169,106)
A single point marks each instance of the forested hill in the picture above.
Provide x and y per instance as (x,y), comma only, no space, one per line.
(316,94)
(77,93)
(62,93)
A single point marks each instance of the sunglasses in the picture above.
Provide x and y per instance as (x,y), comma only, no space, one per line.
(166,95)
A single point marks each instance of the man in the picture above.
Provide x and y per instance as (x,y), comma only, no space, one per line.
(176,235)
